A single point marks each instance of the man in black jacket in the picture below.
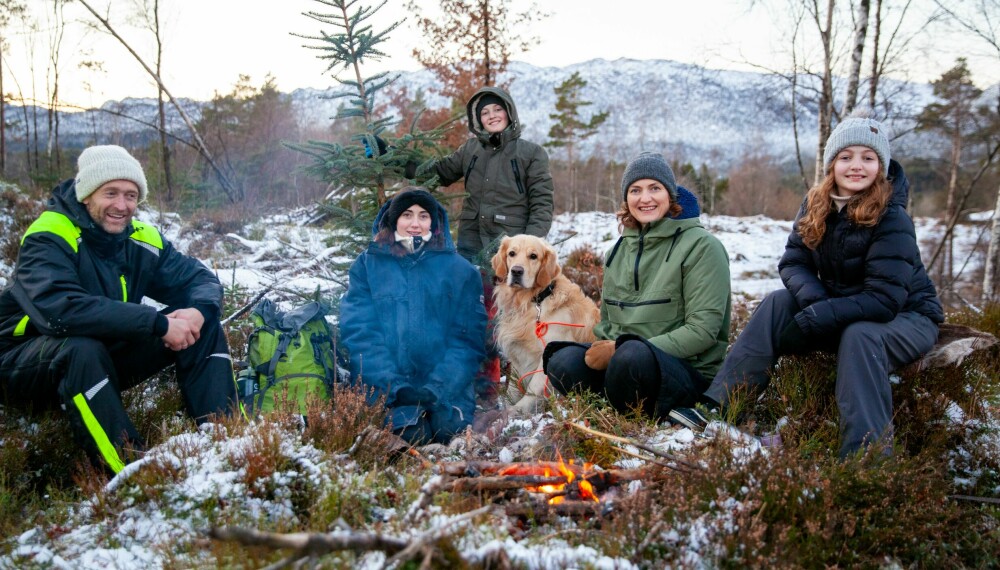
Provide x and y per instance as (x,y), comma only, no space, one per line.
(73,328)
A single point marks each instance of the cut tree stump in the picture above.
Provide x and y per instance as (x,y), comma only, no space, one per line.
(955,343)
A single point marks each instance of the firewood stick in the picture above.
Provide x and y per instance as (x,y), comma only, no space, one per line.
(633,443)
(503,483)
(542,510)
(306,543)
(423,541)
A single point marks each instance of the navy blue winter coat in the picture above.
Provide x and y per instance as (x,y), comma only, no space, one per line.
(414,326)
(860,273)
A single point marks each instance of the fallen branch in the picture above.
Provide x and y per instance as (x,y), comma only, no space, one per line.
(505,483)
(310,543)
(636,444)
(423,541)
(246,308)
(974,499)
(565,509)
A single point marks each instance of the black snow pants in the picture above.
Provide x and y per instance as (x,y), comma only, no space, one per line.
(640,376)
(85,377)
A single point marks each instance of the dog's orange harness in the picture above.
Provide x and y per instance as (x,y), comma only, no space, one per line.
(542,329)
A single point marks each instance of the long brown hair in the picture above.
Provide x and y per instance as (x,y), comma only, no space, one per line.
(625,219)
(864,208)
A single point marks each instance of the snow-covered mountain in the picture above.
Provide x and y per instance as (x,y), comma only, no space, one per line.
(691,112)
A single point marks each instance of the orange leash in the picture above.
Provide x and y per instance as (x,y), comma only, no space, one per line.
(541,329)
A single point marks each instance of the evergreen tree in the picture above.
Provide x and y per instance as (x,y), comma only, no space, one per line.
(357,172)
(569,128)
(954,115)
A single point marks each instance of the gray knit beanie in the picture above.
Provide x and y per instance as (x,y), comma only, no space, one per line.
(652,166)
(98,165)
(858,131)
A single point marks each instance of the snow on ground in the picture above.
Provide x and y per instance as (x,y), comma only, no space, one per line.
(280,252)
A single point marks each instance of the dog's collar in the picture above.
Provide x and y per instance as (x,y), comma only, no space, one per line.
(544,294)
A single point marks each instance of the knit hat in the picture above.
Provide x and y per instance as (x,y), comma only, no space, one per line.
(98,165)
(652,166)
(489,99)
(402,202)
(861,131)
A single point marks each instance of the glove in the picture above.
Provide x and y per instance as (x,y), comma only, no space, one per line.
(379,142)
(599,354)
(410,169)
(792,339)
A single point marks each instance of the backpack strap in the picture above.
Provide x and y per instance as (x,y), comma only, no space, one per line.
(284,339)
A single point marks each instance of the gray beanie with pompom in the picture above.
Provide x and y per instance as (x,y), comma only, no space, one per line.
(861,131)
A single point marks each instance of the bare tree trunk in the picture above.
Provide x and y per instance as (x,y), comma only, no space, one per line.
(950,208)
(825,115)
(55,46)
(484,6)
(231,192)
(991,291)
(161,105)
(876,39)
(854,75)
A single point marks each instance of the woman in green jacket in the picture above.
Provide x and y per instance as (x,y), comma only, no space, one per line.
(666,299)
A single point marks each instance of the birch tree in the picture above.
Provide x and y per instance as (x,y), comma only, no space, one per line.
(981,19)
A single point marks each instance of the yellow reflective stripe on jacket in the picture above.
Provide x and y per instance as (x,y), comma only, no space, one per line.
(146,233)
(21,326)
(63,227)
(104,446)
(124,290)
(58,224)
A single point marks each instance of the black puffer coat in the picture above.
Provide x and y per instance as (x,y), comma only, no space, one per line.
(860,273)
(74,279)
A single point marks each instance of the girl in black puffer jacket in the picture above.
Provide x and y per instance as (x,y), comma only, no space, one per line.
(854,285)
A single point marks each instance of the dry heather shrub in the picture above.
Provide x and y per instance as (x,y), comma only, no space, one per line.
(784,510)
(155,404)
(585,267)
(349,422)
(24,211)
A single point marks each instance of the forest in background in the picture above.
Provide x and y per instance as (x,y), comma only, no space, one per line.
(227,161)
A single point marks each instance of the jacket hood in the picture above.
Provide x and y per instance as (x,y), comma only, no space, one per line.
(512,131)
(900,185)
(63,200)
(688,203)
(440,215)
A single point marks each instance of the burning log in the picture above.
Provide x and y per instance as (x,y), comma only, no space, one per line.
(505,483)
(544,511)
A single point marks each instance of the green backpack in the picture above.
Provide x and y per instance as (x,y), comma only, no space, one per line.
(292,357)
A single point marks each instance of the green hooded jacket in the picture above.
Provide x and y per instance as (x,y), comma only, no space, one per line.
(669,283)
(507,179)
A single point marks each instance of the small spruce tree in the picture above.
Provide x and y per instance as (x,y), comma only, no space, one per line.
(363,173)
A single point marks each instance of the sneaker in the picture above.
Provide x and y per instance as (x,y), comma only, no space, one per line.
(689,418)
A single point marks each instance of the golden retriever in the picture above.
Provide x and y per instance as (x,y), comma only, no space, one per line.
(534,298)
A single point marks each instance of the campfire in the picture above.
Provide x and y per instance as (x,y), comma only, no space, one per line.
(575,488)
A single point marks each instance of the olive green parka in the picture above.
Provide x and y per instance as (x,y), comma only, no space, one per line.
(669,284)
(507,179)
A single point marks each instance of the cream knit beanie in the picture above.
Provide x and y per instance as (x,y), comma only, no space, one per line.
(98,165)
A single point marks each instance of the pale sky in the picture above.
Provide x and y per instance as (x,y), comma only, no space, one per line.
(209,43)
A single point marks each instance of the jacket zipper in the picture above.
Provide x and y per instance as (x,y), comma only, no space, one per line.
(517,176)
(468,170)
(638,257)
